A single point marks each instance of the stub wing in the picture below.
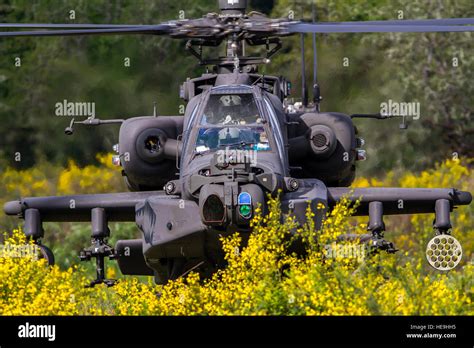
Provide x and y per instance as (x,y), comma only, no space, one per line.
(75,208)
(397,201)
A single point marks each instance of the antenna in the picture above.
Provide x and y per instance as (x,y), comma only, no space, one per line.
(304,90)
(154,109)
(316,90)
(315,56)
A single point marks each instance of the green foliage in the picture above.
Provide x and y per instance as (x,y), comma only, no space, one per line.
(401,67)
(85,69)
(436,70)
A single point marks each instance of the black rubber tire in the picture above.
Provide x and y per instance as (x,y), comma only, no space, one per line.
(46,253)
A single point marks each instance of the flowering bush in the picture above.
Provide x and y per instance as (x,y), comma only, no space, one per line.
(264,277)
(91,179)
(48,180)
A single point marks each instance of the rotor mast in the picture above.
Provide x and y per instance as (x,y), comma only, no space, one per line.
(234,46)
(233,7)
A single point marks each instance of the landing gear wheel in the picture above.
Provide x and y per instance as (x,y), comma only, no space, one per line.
(46,253)
(176,267)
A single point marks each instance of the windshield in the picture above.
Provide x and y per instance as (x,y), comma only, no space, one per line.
(231,121)
(246,138)
(231,109)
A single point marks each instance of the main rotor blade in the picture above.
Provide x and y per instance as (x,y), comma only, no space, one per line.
(441,21)
(70,26)
(373,28)
(148,29)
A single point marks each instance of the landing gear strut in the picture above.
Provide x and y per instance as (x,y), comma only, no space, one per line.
(99,248)
(377,227)
(34,230)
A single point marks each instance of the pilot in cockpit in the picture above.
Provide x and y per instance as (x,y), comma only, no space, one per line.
(231,120)
(231,109)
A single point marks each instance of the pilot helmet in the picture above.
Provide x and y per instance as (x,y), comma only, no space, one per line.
(230,104)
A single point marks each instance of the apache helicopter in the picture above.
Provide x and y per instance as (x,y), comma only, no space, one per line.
(240,140)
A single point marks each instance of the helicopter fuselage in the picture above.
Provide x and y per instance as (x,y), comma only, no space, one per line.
(235,152)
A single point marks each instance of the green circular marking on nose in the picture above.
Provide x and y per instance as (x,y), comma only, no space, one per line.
(245,210)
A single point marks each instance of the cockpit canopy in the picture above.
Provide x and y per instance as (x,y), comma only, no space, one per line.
(232,120)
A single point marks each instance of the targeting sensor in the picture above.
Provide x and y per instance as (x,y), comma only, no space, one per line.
(213,210)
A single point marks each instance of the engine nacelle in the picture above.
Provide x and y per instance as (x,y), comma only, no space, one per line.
(149,150)
(324,146)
